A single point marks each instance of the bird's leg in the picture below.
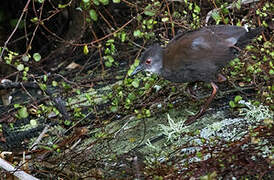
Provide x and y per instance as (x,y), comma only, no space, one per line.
(239,49)
(192,119)
(221,78)
(189,89)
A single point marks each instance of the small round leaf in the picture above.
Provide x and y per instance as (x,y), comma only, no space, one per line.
(36,57)
(93,15)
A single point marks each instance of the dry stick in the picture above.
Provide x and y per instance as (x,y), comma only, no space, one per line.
(259,22)
(66,80)
(130,4)
(77,122)
(14,30)
(99,49)
(213,1)
(37,141)
(172,25)
(112,18)
(106,21)
(23,87)
(16,172)
(36,28)
(108,35)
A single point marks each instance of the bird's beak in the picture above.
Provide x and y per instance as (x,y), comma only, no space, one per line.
(139,68)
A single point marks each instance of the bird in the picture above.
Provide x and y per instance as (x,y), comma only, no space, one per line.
(197,56)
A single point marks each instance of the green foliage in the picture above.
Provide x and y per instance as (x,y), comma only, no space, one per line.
(151,9)
(93,15)
(116,1)
(220,14)
(235,103)
(20,67)
(85,49)
(67,122)
(122,35)
(22,112)
(109,52)
(104,2)
(133,67)
(66,86)
(34,20)
(36,57)
(194,10)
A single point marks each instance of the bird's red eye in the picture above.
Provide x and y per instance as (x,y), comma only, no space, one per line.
(148,61)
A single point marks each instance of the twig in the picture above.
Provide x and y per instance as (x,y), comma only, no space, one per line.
(16,172)
(14,30)
(108,35)
(169,14)
(36,28)
(34,145)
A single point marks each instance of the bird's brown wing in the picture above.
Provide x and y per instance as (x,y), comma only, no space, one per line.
(195,48)
(227,32)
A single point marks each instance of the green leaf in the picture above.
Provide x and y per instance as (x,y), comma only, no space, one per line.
(62,6)
(43,86)
(85,50)
(137,33)
(17,105)
(108,64)
(23,113)
(78,91)
(149,13)
(67,122)
(36,57)
(93,15)
(232,104)
(25,58)
(33,123)
(114,109)
(110,41)
(54,83)
(199,154)
(131,96)
(135,83)
(237,99)
(136,62)
(148,113)
(96,2)
(165,19)
(116,1)
(123,36)
(139,17)
(271,72)
(45,78)
(26,69)
(104,2)
(216,16)
(20,67)
(238,4)
(197,9)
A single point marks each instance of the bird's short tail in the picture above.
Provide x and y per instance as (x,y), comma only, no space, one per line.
(244,40)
